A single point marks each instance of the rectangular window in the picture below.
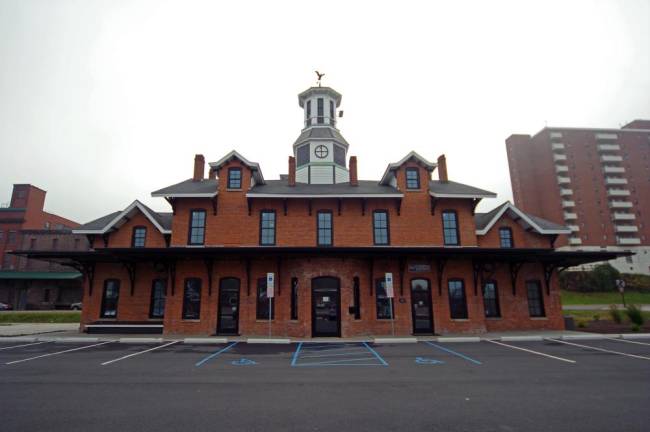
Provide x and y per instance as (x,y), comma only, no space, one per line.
(332,117)
(320,114)
(294,298)
(491,300)
(234,178)
(356,293)
(302,155)
(110,298)
(412,178)
(505,237)
(139,236)
(197,227)
(450,228)
(324,228)
(457,299)
(380,227)
(535,299)
(267,227)
(308,114)
(263,301)
(157,305)
(192,299)
(382,301)
(339,155)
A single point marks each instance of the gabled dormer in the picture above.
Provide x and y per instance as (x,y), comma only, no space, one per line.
(410,174)
(236,173)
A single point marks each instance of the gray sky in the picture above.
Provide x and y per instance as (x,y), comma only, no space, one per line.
(102,102)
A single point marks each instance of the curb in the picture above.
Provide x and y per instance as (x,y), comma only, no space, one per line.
(586,337)
(140,340)
(76,339)
(205,340)
(19,339)
(635,336)
(394,340)
(267,341)
(460,339)
(521,338)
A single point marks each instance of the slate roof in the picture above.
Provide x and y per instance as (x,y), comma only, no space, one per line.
(437,187)
(281,187)
(484,221)
(321,133)
(207,187)
(162,220)
(99,223)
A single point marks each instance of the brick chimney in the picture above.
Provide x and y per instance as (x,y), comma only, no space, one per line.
(442,168)
(199,167)
(354,178)
(292,171)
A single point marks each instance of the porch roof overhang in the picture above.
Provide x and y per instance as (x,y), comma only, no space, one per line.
(520,255)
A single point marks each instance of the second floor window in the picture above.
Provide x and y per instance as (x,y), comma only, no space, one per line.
(139,236)
(412,178)
(380,227)
(234,178)
(324,222)
(505,237)
(450,228)
(267,227)
(197,227)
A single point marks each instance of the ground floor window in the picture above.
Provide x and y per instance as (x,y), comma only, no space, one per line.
(383,302)
(535,299)
(157,305)
(457,299)
(491,300)
(294,298)
(109,298)
(192,299)
(263,301)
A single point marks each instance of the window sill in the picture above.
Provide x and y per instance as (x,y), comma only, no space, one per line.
(539,318)
(264,320)
(190,320)
(107,319)
(234,189)
(460,319)
(494,318)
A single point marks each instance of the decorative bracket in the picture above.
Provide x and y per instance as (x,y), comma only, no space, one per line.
(514,272)
(168,239)
(440,268)
(215,204)
(433,204)
(339,206)
(249,201)
(171,269)
(363,206)
(88,269)
(130,269)
(309,203)
(172,203)
(209,264)
(105,239)
(371,275)
(402,266)
(548,273)
(248,277)
(399,206)
(285,204)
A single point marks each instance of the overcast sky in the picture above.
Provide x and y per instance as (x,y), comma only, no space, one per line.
(102,102)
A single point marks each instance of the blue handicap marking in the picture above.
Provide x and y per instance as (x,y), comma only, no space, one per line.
(427,361)
(243,362)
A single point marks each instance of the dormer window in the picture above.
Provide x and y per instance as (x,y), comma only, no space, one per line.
(139,236)
(412,178)
(505,237)
(234,178)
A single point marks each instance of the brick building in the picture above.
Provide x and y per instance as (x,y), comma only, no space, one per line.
(595,181)
(24,225)
(331,242)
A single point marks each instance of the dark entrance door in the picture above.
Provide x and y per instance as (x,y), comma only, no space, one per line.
(421,306)
(325,307)
(228,315)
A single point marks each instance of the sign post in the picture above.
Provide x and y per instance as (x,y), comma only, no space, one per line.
(270,281)
(390,293)
(620,284)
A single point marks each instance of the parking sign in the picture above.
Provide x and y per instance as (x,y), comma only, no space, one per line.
(389,285)
(270,279)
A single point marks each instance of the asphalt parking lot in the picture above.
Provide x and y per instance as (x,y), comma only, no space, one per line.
(170,386)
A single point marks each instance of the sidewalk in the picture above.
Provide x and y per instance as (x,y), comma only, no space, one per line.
(600,307)
(35,329)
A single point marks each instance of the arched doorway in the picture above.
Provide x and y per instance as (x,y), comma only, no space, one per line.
(325,307)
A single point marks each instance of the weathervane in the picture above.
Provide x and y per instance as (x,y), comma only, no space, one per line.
(320,76)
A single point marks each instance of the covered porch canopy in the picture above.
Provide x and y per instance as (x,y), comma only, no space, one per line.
(484,260)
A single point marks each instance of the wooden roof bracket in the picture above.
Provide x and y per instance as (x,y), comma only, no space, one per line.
(172,202)
(130,269)
(433,204)
(440,269)
(215,204)
(514,272)
(171,270)
(209,264)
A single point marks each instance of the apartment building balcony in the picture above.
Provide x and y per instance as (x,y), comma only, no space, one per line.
(570,216)
(628,240)
(559,157)
(574,228)
(557,146)
(624,216)
(561,168)
(606,136)
(556,134)
(615,180)
(613,169)
(568,203)
(575,241)
(611,158)
(563,180)
(618,192)
(608,147)
(620,204)
(565,192)
(626,228)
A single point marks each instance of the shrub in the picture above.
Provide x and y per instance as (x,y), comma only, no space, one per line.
(601,278)
(615,313)
(635,328)
(634,314)
(597,317)
(582,324)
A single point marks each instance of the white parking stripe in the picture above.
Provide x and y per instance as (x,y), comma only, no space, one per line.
(138,353)
(58,352)
(24,345)
(628,341)
(531,351)
(600,349)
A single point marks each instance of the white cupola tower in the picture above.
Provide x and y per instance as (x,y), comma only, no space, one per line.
(320,150)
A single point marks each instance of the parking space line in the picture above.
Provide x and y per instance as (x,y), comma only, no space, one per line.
(24,345)
(383,362)
(600,349)
(295,354)
(334,355)
(58,352)
(627,340)
(214,355)
(531,351)
(463,356)
(138,353)
(343,362)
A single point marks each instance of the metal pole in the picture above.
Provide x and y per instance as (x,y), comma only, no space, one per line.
(392,320)
(270,304)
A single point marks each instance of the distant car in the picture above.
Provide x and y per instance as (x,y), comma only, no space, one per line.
(5,306)
(76,306)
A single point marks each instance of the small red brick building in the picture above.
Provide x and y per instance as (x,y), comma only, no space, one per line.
(331,242)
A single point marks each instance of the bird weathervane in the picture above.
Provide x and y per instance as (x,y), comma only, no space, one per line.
(320,77)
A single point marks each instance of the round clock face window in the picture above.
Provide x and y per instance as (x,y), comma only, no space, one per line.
(321,151)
